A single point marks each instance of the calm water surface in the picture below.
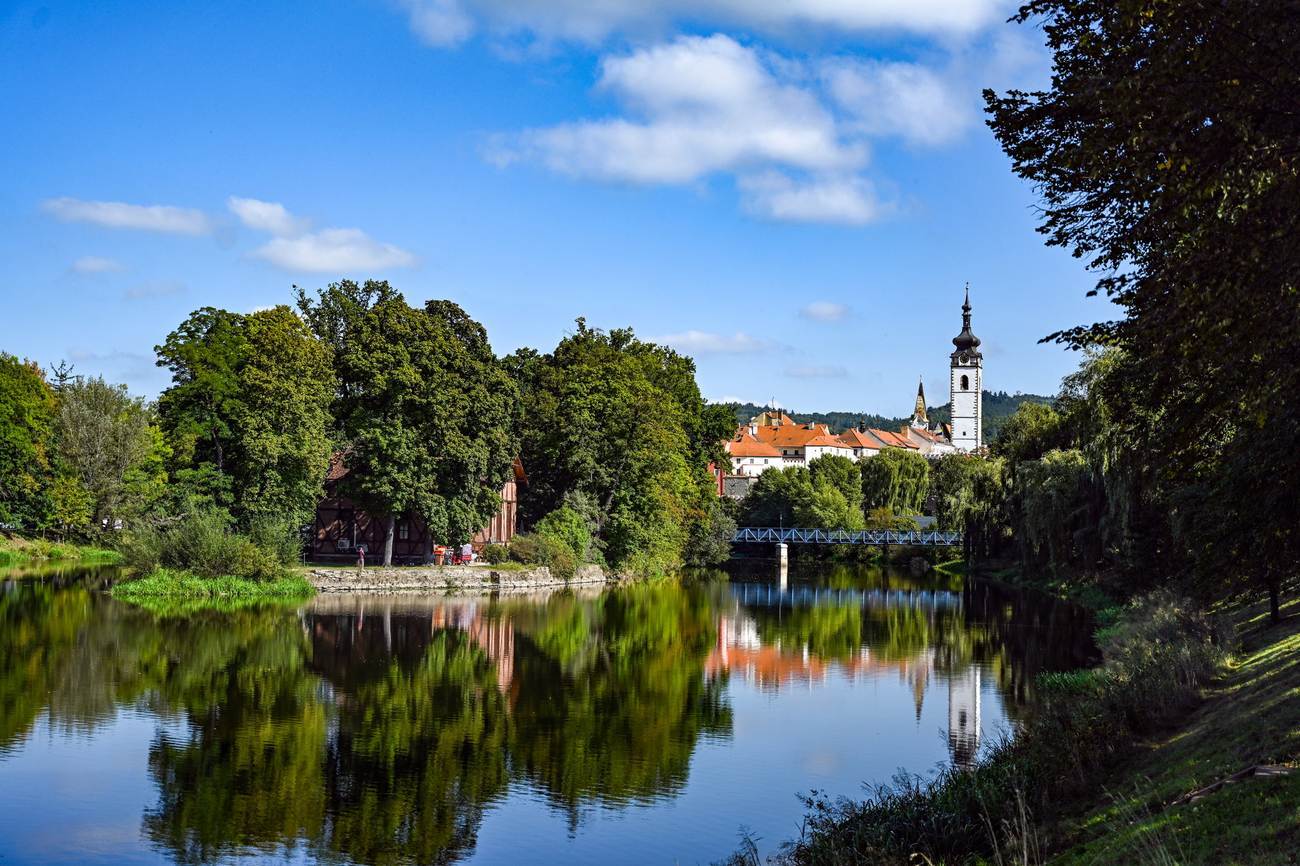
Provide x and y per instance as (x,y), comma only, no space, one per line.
(646,724)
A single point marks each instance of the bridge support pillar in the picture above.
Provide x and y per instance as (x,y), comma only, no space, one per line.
(783,553)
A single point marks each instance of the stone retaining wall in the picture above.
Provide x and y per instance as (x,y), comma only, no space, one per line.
(443,579)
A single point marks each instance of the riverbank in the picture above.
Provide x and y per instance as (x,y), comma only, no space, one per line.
(1124,763)
(448,579)
(1222,787)
(16,550)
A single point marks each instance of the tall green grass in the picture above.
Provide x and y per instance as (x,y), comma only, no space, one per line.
(169,592)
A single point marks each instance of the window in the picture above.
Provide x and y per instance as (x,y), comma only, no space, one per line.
(404,530)
(965,383)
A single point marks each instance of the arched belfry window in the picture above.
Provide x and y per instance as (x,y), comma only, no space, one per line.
(965,383)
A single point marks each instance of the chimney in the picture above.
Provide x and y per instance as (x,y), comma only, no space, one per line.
(753,429)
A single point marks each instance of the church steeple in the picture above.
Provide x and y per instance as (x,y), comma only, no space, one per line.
(918,415)
(966,341)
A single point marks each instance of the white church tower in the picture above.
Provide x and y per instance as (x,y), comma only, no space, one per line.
(965,400)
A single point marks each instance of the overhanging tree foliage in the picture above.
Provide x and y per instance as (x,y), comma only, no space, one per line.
(1167,153)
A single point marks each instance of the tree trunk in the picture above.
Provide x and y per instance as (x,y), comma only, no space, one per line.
(428,546)
(390,524)
(1275,601)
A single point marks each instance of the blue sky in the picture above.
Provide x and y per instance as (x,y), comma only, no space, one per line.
(793,193)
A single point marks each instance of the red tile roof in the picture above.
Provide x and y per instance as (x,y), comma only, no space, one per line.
(855,438)
(892,440)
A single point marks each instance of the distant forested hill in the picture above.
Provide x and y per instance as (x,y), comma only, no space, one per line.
(998,406)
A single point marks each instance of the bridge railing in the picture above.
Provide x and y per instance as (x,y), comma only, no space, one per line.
(876,537)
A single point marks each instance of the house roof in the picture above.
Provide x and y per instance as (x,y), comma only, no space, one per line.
(892,440)
(792,437)
(744,445)
(825,440)
(855,438)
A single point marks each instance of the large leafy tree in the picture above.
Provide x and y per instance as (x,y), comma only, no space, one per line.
(1167,156)
(27,424)
(426,410)
(247,413)
(616,427)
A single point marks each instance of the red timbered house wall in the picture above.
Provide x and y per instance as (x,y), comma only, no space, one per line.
(340,527)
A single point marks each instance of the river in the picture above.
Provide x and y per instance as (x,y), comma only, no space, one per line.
(651,723)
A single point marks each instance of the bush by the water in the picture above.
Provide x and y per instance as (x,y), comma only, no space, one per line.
(562,541)
(204,543)
(1155,659)
(495,554)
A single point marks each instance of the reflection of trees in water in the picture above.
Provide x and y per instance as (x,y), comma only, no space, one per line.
(382,735)
(39,626)
(612,696)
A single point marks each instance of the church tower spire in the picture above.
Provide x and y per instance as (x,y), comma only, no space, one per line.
(965,401)
(919,418)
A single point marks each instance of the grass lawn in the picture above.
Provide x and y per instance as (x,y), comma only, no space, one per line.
(169,592)
(1251,716)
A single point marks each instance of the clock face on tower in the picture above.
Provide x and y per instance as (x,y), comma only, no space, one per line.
(964,359)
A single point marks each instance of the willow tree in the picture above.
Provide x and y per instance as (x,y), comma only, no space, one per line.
(425,409)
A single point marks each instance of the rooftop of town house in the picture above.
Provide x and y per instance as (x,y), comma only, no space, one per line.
(855,438)
(745,445)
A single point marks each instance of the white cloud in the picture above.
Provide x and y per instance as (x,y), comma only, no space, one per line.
(333,250)
(119,215)
(914,102)
(267,216)
(844,199)
(448,22)
(96,265)
(701,105)
(706,343)
(825,311)
(439,22)
(817,371)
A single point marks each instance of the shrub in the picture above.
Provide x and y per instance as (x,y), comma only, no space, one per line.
(568,528)
(203,544)
(534,548)
(495,554)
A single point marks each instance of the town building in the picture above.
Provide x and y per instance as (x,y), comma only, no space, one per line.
(773,440)
(340,526)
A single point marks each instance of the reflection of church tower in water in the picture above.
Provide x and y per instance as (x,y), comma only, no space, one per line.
(964,716)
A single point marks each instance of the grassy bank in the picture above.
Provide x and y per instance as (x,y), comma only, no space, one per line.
(1250,718)
(16,550)
(1102,772)
(177,592)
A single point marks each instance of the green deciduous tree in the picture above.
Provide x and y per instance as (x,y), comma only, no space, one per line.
(621,424)
(28,413)
(425,409)
(105,439)
(247,414)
